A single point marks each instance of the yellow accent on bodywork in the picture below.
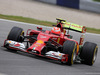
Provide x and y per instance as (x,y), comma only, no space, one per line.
(73,26)
(58,40)
(40,41)
(9,41)
(77,49)
(72,54)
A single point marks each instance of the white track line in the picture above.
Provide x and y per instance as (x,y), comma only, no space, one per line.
(23,23)
(39,25)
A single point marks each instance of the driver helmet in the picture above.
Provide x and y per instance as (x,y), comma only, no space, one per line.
(55,30)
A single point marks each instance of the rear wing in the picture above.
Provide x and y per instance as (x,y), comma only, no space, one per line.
(74,27)
(71,26)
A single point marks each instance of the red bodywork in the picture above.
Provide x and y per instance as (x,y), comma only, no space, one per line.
(45,36)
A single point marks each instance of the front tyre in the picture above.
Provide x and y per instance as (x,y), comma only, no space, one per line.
(89,53)
(70,48)
(16,34)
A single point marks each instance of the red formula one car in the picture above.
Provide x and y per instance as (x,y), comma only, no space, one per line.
(56,44)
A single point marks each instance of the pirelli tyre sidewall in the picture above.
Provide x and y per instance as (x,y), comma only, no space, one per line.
(16,34)
(89,53)
(70,48)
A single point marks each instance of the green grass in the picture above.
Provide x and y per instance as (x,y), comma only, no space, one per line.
(39,22)
(27,20)
(93,30)
(97,0)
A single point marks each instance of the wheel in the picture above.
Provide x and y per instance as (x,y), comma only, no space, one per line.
(89,53)
(16,34)
(70,48)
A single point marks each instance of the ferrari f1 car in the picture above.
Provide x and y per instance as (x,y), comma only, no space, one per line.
(56,44)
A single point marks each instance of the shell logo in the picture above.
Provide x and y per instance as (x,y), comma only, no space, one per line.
(40,41)
(59,54)
(9,41)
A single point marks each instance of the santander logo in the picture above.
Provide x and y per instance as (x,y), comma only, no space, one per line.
(17,44)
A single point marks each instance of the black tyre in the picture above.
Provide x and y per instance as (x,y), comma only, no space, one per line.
(89,53)
(16,34)
(70,48)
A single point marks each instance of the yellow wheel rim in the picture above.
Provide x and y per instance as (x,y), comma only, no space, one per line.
(94,55)
(73,55)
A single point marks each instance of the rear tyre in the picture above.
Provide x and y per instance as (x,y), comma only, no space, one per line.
(89,53)
(70,48)
(16,34)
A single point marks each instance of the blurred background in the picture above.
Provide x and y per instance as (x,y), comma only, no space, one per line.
(89,5)
(82,12)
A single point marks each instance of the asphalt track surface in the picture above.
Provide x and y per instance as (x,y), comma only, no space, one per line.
(26,64)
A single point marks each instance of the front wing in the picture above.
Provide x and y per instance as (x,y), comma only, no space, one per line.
(21,47)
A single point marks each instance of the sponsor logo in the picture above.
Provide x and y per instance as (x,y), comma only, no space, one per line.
(17,44)
(57,55)
(40,41)
(36,45)
(43,37)
(76,26)
(9,41)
